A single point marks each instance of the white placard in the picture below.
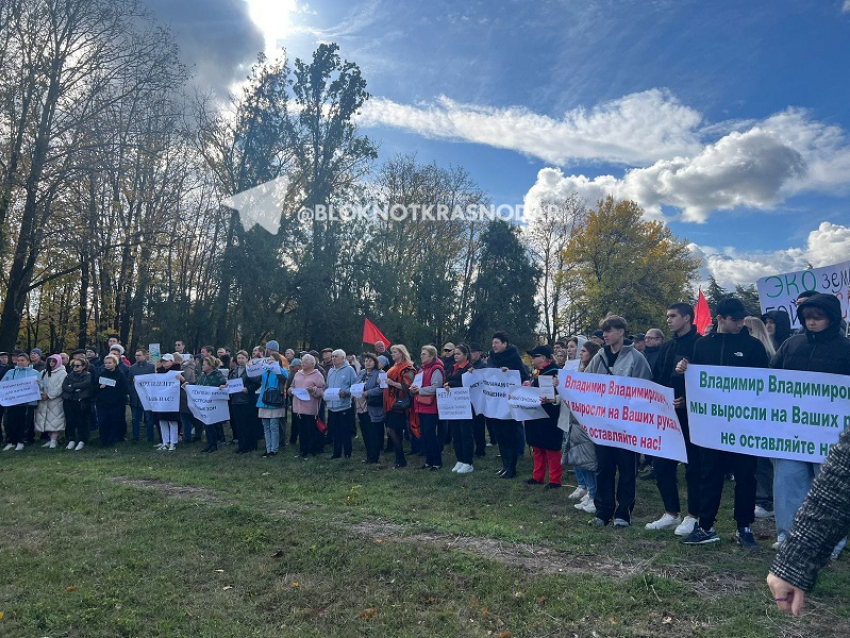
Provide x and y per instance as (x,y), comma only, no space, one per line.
(274,366)
(488,391)
(524,403)
(18,391)
(302,393)
(780,292)
(331,395)
(159,392)
(254,370)
(382,379)
(624,412)
(418,379)
(546,385)
(454,404)
(782,414)
(187,356)
(107,382)
(207,404)
(357,390)
(235,385)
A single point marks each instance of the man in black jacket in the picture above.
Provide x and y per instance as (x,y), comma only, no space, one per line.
(730,344)
(680,318)
(509,433)
(820,348)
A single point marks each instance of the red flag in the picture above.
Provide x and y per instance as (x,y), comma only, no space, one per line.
(702,315)
(371,334)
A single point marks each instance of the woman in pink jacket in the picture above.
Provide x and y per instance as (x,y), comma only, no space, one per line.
(306,390)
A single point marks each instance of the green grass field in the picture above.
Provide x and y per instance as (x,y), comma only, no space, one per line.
(136,542)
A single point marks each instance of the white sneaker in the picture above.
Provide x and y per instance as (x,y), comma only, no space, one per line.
(70,445)
(620,522)
(159,446)
(19,447)
(577,494)
(11,446)
(171,447)
(590,508)
(584,500)
(52,445)
(686,526)
(665,522)
(457,466)
(47,444)
(465,468)
(760,512)
(79,447)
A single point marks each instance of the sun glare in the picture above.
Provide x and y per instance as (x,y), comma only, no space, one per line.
(273,19)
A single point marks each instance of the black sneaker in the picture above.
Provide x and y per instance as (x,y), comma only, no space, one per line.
(700,537)
(532,481)
(744,538)
(552,486)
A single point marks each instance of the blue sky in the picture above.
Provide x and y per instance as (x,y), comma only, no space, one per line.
(727,120)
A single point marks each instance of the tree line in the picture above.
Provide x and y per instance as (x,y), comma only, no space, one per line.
(112,174)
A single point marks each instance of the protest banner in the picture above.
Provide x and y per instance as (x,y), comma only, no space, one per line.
(159,392)
(524,403)
(780,292)
(207,404)
(454,404)
(781,414)
(546,385)
(488,391)
(18,391)
(155,352)
(235,385)
(254,370)
(632,414)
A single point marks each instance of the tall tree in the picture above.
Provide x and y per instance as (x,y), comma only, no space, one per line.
(628,266)
(548,232)
(505,287)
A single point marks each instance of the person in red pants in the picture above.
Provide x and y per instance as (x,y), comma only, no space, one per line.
(543,435)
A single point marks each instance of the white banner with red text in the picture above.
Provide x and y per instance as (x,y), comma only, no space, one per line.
(632,414)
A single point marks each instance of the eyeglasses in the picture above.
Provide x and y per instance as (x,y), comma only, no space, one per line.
(447,349)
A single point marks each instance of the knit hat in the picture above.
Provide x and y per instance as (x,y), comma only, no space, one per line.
(296,362)
(273,345)
(37,351)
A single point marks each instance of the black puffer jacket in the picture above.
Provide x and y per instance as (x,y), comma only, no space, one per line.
(826,351)
(508,358)
(782,322)
(724,349)
(545,433)
(672,351)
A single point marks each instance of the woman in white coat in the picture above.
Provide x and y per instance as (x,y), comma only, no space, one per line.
(50,413)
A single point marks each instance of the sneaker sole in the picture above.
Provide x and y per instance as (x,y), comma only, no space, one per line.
(705,542)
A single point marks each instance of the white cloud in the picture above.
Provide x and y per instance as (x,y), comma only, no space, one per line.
(846,7)
(826,245)
(635,130)
(759,168)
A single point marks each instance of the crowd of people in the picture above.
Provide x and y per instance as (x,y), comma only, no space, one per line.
(313,394)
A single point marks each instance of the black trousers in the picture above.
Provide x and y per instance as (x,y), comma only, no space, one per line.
(18,418)
(339,426)
(479,436)
(462,439)
(111,422)
(242,416)
(373,437)
(506,436)
(77,416)
(715,465)
(615,496)
(308,435)
(666,474)
(396,423)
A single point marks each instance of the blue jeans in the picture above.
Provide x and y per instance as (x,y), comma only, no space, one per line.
(791,482)
(587,480)
(138,413)
(271,431)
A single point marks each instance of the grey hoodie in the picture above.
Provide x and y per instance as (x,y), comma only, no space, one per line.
(629,363)
(342,378)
